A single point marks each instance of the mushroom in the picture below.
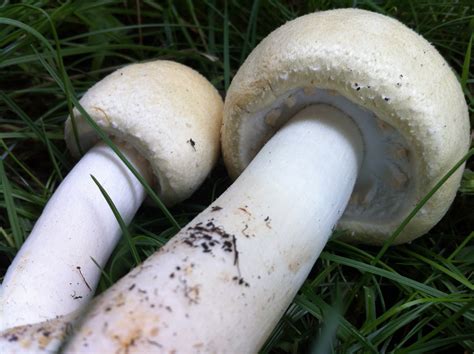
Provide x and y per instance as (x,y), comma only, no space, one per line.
(353,125)
(152,111)
(41,337)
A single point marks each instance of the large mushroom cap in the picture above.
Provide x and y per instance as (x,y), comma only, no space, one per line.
(168,112)
(391,81)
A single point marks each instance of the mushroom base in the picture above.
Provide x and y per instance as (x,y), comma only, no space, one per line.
(39,338)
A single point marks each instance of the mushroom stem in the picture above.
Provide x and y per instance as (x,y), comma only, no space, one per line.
(42,337)
(223,282)
(54,274)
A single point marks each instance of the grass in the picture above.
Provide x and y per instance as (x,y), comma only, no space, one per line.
(414,298)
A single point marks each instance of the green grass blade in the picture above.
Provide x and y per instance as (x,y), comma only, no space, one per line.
(11,208)
(456,276)
(367,268)
(388,242)
(438,329)
(226,47)
(467,64)
(123,226)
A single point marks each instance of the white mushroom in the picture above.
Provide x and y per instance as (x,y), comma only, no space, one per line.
(223,282)
(41,337)
(165,119)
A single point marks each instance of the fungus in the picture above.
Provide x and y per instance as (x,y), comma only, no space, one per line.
(322,159)
(149,112)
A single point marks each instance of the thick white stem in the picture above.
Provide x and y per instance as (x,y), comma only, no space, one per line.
(38,338)
(223,282)
(53,274)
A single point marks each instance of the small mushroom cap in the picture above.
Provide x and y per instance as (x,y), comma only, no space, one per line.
(375,64)
(167,111)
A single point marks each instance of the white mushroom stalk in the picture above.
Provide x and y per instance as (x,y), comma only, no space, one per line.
(53,273)
(228,265)
(370,117)
(169,134)
(42,337)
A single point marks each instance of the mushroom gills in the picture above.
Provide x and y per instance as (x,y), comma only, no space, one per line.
(385,182)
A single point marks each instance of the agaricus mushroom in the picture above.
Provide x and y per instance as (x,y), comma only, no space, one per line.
(42,337)
(165,118)
(370,117)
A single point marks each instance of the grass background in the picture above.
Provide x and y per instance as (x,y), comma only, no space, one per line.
(411,298)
